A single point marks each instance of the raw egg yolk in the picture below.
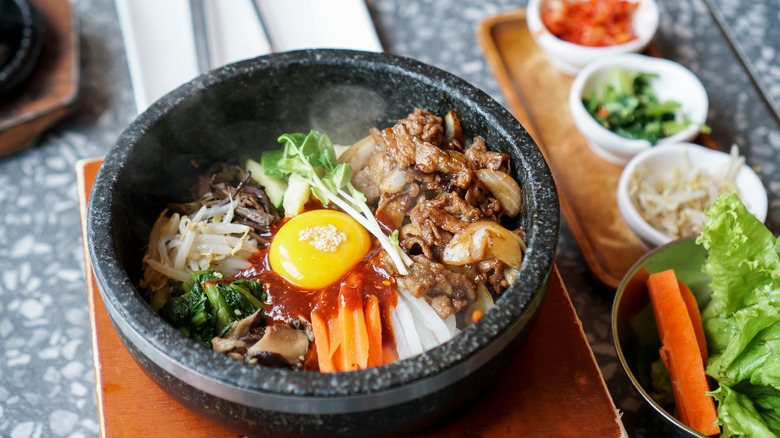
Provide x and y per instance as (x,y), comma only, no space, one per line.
(316,248)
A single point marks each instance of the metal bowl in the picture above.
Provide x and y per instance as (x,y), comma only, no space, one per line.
(239,110)
(633,326)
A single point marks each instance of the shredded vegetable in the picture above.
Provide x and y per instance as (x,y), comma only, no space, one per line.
(674,204)
(179,245)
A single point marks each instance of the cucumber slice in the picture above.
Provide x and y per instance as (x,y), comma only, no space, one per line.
(296,196)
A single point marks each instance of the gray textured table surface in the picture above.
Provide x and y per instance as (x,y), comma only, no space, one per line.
(46,370)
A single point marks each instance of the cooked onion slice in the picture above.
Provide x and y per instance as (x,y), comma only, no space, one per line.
(504,188)
(452,129)
(484,240)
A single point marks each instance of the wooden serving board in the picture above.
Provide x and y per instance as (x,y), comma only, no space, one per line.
(553,387)
(537,94)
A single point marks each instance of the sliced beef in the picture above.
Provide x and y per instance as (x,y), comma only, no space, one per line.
(482,158)
(430,279)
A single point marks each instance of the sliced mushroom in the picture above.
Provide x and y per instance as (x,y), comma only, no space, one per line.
(225,345)
(280,342)
(241,327)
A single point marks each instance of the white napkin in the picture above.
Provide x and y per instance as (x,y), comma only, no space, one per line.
(161,47)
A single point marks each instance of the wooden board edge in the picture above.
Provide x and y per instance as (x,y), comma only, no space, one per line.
(517,107)
(86,169)
(584,337)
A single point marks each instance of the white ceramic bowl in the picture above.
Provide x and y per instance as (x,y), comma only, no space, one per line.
(674,82)
(660,160)
(570,58)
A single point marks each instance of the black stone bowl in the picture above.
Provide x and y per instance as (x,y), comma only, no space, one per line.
(238,111)
(21,42)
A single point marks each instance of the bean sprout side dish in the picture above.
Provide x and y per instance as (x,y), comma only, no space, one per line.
(329,258)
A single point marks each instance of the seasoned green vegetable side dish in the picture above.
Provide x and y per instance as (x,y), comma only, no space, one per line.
(627,106)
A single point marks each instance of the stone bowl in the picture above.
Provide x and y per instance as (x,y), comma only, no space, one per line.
(238,111)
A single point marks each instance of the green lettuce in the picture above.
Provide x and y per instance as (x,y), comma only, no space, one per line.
(742,319)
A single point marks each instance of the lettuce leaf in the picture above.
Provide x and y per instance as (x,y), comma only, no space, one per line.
(741,260)
(738,416)
(742,319)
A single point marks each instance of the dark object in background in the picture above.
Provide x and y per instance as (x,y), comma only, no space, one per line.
(21,42)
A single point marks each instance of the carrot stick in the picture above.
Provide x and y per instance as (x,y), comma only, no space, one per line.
(347,323)
(664,353)
(374,326)
(361,338)
(693,312)
(320,328)
(334,337)
(389,354)
(686,368)
(335,350)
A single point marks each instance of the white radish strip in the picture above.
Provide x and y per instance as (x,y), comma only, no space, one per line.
(406,322)
(401,344)
(427,317)
(451,324)
(427,338)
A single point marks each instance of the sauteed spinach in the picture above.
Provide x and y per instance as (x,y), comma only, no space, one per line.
(627,106)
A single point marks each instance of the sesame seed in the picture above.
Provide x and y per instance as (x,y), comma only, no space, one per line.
(324,237)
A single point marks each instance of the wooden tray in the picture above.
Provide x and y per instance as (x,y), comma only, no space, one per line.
(50,92)
(553,387)
(537,94)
